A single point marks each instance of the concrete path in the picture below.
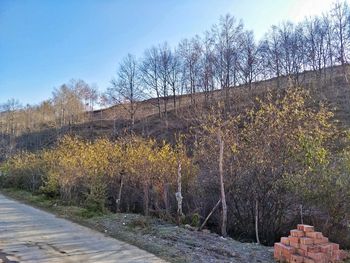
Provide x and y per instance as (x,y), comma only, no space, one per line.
(28,235)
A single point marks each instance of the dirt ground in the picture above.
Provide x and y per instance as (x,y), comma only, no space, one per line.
(180,244)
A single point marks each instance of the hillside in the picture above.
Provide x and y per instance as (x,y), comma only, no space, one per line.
(269,155)
(330,87)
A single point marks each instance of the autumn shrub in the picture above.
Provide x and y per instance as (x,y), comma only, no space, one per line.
(324,193)
(24,171)
(153,169)
(272,154)
(90,173)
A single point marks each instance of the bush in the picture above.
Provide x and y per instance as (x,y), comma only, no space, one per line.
(195,222)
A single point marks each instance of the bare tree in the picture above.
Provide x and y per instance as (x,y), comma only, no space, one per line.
(315,43)
(149,69)
(126,89)
(10,111)
(207,68)
(271,54)
(89,95)
(190,52)
(68,104)
(341,18)
(249,62)
(174,76)
(329,29)
(165,55)
(228,46)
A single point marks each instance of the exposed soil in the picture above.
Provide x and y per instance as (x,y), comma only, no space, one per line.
(180,244)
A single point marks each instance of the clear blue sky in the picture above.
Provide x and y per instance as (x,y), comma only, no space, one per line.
(45,43)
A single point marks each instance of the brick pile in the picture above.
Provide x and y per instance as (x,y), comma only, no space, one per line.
(304,245)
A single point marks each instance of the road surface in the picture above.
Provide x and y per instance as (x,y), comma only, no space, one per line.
(28,235)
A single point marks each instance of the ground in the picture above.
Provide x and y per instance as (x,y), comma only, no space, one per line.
(179,244)
(30,235)
(165,240)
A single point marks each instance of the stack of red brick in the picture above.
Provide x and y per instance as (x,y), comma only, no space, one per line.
(304,245)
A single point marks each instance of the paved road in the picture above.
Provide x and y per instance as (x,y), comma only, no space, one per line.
(28,235)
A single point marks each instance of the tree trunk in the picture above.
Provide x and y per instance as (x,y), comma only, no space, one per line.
(301,214)
(114,126)
(178,194)
(101,119)
(159,106)
(132,120)
(222,186)
(257,221)
(174,99)
(118,201)
(344,67)
(33,183)
(146,199)
(166,199)
(209,215)
(166,111)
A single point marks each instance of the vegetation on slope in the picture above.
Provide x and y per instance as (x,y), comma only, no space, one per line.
(270,168)
(257,166)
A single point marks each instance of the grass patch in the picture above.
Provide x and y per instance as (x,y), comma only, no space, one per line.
(53,205)
(139,223)
(39,199)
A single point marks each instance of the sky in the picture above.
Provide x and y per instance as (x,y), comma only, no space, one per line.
(45,43)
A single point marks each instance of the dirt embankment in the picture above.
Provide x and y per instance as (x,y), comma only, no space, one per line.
(180,244)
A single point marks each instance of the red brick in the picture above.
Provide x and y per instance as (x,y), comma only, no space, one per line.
(326,248)
(283,259)
(314,234)
(308,260)
(322,240)
(277,254)
(306,241)
(297,233)
(313,249)
(277,251)
(283,251)
(293,239)
(301,252)
(300,227)
(335,255)
(317,256)
(286,256)
(296,259)
(285,241)
(306,228)
(335,246)
(304,247)
(293,244)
